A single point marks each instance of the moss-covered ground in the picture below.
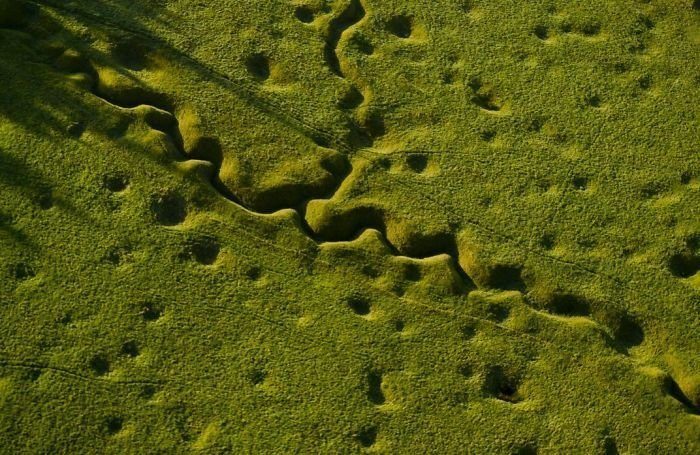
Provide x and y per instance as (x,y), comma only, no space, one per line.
(382,226)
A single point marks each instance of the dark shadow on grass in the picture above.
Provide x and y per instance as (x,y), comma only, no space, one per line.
(117,18)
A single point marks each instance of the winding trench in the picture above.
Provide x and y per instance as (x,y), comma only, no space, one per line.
(350,16)
(417,246)
(172,131)
(503,278)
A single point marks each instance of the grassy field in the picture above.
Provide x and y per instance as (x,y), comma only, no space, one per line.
(350,226)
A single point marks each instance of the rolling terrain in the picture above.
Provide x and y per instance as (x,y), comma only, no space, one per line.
(350,226)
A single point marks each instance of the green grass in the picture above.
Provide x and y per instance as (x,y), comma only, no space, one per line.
(350,226)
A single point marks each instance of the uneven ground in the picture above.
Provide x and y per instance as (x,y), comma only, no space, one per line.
(383,226)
